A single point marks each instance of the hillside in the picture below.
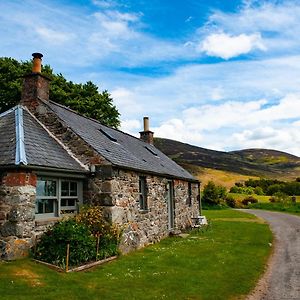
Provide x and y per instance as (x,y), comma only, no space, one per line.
(249,162)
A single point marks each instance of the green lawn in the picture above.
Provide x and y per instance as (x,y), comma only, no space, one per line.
(223,262)
(293,208)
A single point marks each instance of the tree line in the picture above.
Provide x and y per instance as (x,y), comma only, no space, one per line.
(81,97)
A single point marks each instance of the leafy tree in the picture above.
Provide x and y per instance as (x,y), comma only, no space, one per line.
(213,194)
(83,98)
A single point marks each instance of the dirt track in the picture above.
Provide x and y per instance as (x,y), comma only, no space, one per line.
(282,279)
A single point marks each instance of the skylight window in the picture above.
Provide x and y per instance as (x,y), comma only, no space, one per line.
(108,135)
(151,151)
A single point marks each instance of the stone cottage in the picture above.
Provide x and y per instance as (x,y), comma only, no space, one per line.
(53,159)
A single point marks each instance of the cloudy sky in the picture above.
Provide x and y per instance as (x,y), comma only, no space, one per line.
(219,74)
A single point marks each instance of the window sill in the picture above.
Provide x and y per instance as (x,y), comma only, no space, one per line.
(45,221)
(144,211)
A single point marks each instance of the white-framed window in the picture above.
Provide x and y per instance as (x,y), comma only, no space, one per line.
(143,203)
(56,197)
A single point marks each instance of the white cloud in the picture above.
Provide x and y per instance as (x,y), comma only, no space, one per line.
(227,46)
(126,101)
(104,3)
(53,36)
(132,127)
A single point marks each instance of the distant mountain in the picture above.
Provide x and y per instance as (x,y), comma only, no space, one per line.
(249,162)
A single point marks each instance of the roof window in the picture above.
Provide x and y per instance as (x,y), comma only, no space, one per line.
(151,151)
(108,135)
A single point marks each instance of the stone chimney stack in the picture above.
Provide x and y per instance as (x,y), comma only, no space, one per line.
(35,84)
(146,135)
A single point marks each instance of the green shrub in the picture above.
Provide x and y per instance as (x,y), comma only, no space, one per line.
(281,197)
(213,194)
(248,200)
(107,235)
(230,201)
(53,244)
(258,191)
(247,190)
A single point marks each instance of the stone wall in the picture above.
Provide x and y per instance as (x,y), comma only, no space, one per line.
(114,189)
(17,208)
(144,227)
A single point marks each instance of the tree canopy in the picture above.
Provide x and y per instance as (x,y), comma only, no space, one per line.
(83,98)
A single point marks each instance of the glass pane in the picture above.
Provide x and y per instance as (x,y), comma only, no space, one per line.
(49,206)
(73,188)
(44,206)
(65,188)
(68,202)
(46,188)
(71,202)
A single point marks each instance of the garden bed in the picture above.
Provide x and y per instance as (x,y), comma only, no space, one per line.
(79,268)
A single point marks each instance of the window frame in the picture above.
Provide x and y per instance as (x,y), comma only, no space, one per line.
(190,193)
(143,194)
(58,210)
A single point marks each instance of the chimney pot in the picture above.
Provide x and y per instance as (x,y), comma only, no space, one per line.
(146,124)
(35,84)
(146,135)
(37,62)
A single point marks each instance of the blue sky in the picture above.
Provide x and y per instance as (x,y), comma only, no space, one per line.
(218,74)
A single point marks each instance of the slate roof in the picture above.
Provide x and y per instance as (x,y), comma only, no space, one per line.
(40,149)
(121,149)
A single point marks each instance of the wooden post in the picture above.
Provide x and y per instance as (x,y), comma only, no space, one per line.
(67,258)
(97,249)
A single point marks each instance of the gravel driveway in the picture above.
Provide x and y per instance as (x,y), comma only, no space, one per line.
(282,279)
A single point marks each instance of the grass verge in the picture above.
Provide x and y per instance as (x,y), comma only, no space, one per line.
(293,208)
(223,262)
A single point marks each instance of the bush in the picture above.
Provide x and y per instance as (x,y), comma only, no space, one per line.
(90,237)
(272,199)
(280,197)
(53,244)
(242,190)
(230,201)
(248,200)
(258,191)
(213,194)
(108,235)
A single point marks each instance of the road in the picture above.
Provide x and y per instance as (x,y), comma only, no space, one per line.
(282,278)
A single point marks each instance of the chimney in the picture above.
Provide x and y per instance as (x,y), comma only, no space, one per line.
(35,84)
(146,135)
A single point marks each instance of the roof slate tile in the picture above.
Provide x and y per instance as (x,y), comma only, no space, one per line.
(127,151)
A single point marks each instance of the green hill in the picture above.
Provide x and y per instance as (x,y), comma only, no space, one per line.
(249,162)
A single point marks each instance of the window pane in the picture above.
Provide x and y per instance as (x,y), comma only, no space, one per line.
(46,188)
(68,202)
(44,206)
(71,202)
(143,193)
(73,188)
(65,188)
